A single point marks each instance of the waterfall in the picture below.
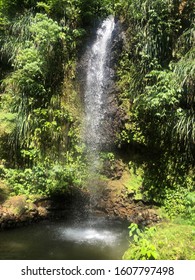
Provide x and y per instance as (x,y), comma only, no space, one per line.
(97,80)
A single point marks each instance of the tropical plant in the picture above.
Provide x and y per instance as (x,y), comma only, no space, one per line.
(140,246)
(156,76)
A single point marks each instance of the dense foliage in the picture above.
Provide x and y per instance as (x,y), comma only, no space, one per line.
(40,111)
(41,151)
(156,76)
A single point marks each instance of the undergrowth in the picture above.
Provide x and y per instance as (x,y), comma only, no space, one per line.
(166,241)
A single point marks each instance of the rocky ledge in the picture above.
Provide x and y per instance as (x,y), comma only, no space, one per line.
(21,211)
(115,202)
(111,201)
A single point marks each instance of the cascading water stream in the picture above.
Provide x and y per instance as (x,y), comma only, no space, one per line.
(95,93)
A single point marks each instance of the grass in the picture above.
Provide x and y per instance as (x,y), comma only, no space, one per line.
(169,241)
(174,241)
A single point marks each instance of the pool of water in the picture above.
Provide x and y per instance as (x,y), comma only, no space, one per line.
(94,239)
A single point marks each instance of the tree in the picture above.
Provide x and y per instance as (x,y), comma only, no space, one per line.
(158,76)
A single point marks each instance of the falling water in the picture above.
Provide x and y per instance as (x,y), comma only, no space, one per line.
(95,93)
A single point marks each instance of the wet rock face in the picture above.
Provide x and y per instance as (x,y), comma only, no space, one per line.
(117,203)
(117,45)
(120,206)
(112,120)
(112,201)
(113,170)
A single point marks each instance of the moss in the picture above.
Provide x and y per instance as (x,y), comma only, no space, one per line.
(4,192)
(134,182)
(16,205)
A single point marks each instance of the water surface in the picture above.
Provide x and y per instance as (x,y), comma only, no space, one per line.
(70,240)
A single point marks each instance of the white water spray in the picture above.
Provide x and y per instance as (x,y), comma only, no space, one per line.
(95,93)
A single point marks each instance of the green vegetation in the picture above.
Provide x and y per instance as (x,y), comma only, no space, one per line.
(156,80)
(156,77)
(167,241)
(41,110)
(142,248)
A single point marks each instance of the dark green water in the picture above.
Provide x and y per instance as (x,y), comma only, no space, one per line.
(58,240)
